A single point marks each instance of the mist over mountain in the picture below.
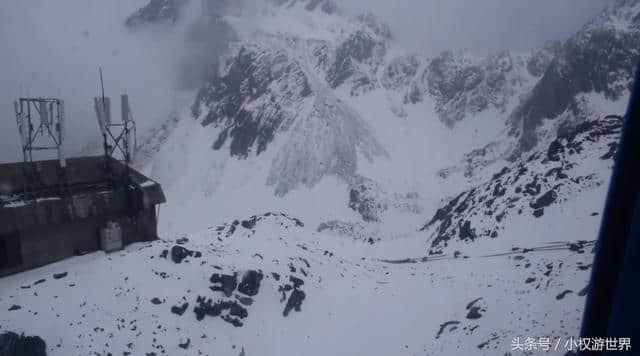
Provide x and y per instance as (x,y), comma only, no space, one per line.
(481,27)
(306,91)
(78,45)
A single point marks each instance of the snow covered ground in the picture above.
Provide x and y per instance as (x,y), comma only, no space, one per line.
(388,298)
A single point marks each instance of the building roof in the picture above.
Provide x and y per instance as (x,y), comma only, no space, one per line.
(37,193)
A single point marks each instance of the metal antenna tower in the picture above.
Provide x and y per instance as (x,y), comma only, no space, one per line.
(41,124)
(119,138)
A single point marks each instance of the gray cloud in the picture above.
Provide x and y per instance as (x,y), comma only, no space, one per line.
(54,49)
(480,25)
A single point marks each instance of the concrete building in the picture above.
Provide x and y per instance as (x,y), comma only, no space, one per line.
(48,213)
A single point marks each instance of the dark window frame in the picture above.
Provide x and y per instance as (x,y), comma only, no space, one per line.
(8,243)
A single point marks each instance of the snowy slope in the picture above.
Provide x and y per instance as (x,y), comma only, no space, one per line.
(576,162)
(310,106)
(354,298)
(325,117)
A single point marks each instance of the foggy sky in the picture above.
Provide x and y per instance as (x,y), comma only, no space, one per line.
(54,48)
(482,26)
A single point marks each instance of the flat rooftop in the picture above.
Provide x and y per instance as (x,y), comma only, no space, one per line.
(45,182)
(83,189)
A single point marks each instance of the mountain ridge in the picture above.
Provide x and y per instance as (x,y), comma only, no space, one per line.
(303,95)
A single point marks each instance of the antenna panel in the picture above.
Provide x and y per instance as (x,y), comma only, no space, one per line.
(62,155)
(125,108)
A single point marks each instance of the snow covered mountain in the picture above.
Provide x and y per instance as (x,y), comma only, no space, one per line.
(331,193)
(308,102)
(334,100)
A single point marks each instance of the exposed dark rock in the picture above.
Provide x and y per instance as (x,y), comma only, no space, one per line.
(12,344)
(327,6)
(585,267)
(185,345)
(249,224)
(445,325)
(557,173)
(544,180)
(554,150)
(15,307)
(295,302)
(577,247)
(563,294)
(545,200)
(231,320)
(60,275)
(533,187)
(297,282)
(156,12)
(474,310)
(250,77)
(500,174)
(599,58)
(250,284)
(466,232)
(207,307)
(182,241)
(179,253)
(367,198)
(225,283)
(400,72)
(464,86)
(444,214)
(354,230)
(179,310)
(359,47)
(486,343)
(498,190)
(474,313)
(613,146)
(156,301)
(584,291)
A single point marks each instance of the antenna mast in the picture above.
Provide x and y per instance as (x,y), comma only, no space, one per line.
(45,134)
(117,136)
(41,125)
(103,117)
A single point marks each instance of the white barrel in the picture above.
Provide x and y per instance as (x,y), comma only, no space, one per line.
(111,237)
